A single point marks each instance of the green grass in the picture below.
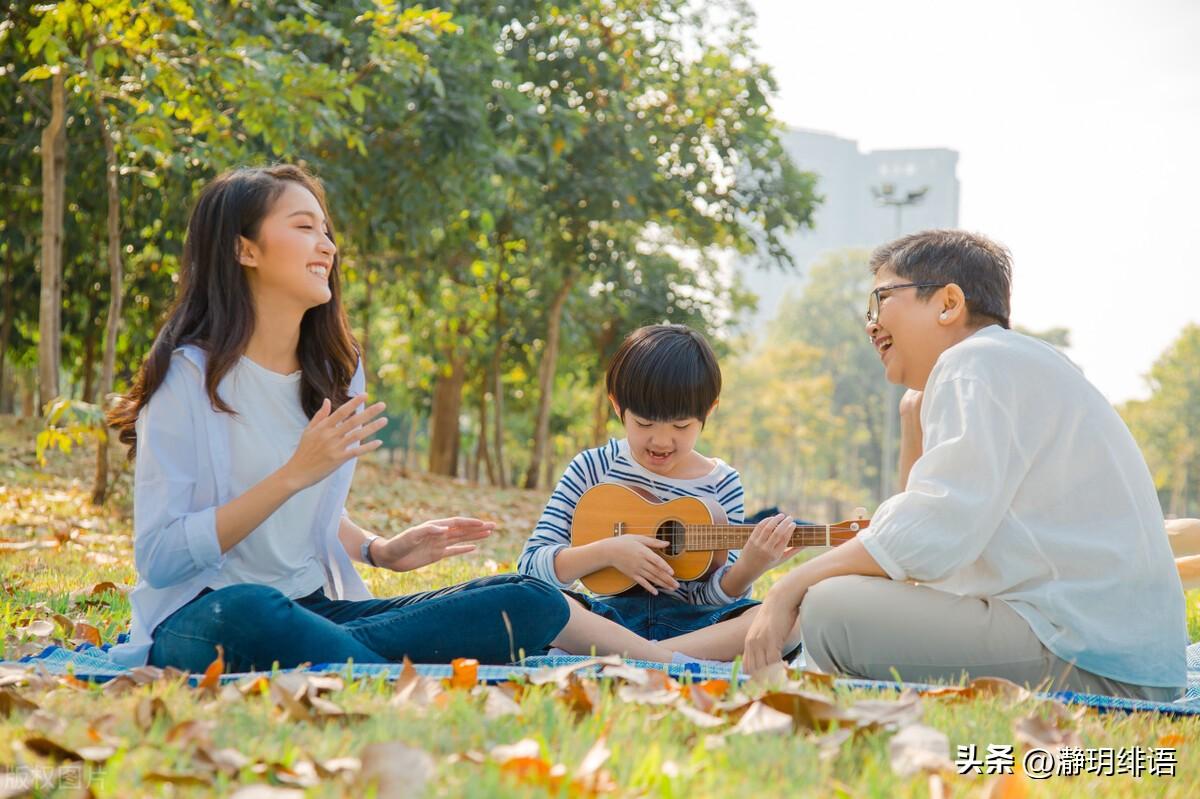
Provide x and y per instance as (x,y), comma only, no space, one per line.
(655,750)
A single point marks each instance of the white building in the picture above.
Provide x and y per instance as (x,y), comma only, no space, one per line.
(850,215)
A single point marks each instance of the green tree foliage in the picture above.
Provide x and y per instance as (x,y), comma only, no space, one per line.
(514,187)
(1167,425)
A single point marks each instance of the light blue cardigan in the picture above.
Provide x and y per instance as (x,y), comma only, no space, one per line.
(181,477)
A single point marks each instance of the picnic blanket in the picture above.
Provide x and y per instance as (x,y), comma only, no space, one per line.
(92,663)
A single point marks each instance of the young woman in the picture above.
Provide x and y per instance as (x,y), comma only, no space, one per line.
(246,421)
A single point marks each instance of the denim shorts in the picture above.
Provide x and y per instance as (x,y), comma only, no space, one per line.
(662,616)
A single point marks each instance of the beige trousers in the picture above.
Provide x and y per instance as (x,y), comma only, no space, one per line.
(867,626)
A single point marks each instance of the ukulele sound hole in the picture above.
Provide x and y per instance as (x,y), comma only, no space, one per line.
(672,532)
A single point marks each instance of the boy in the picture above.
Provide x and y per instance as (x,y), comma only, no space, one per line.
(663,383)
(1028,517)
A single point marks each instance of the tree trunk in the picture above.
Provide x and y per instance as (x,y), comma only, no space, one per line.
(100,485)
(6,326)
(546,382)
(501,480)
(484,453)
(54,173)
(447,402)
(89,355)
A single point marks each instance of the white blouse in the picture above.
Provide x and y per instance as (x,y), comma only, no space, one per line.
(263,436)
(1030,489)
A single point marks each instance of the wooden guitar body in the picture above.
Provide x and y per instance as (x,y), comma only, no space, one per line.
(608,510)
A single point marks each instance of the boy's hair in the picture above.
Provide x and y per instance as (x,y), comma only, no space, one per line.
(664,372)
(981,268)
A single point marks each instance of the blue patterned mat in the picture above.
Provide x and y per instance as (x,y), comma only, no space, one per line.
(91,663)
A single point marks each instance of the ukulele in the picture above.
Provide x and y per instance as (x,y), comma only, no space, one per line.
(697,531)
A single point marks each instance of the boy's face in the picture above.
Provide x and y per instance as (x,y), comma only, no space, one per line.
(910,333)
(662,447)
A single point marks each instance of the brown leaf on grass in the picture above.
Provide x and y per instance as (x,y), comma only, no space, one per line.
(497,702)
(395,769)
(148,709)
(464,673)
(590,778)
(178,778)
(807,710)
(918,748)
(11,701)
(630,674)
(699,717)
(100,729)
(996,686)
(41,628)
(761,718)
(337,766)
(287,699)
(86,632)
(412,688)
(46,747)
(558,675)
(581,696)
(524,763)
(873,713)
(46,723)
(1056,730)
(658,689)
(228,761)
(814,678)
(1008,786)
(705,695)
(212,674)
(193,731)
(301,773)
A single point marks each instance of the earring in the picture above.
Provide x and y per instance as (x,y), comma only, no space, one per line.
(942,316)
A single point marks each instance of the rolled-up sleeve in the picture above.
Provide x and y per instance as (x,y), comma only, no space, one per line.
(958,490)
(553,531)
(173,541)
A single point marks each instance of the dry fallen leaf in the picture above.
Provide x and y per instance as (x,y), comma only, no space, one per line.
(919,748)
(581,696)
(658,689)
(558,675)
(873,713)
(1058,730)
(761,718)
(464,674)
(148,709)
(11,701)
(498,702)
(397,771)
(178,778)
(212,674)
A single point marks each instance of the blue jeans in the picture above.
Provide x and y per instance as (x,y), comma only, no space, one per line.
(659,617)
(492,619)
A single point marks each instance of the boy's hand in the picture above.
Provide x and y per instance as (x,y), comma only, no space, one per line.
(636,558)
(767,546)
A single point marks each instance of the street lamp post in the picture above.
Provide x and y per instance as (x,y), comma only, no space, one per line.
(886,195)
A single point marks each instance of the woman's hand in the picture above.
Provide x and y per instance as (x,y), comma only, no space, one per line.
(636,558)
(768,634)
(767,546)
(430,542)
(331,439)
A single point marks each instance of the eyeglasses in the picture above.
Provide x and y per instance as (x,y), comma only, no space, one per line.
(873,302)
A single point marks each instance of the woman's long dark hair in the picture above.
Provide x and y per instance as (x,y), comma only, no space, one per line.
(213,308)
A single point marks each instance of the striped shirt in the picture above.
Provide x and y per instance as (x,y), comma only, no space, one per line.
(612,463)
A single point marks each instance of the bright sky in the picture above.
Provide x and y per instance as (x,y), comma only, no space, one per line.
(1078,128)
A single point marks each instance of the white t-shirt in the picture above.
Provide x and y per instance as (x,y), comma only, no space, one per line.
(263,436)
(1031,489)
